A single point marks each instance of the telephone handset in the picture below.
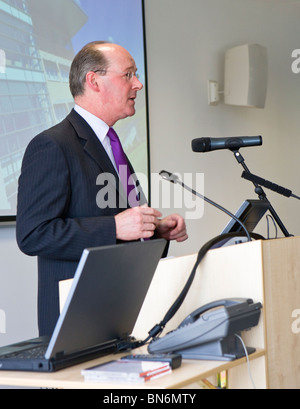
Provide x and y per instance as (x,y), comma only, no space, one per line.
(209,332)
(221,303)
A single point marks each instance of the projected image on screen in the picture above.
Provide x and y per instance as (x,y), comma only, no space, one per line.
(38,41)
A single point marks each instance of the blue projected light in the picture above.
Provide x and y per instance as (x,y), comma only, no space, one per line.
(38,41)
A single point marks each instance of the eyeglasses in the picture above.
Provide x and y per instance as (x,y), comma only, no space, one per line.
(128,75)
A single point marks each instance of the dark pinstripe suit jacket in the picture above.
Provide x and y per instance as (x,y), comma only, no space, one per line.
(57,215)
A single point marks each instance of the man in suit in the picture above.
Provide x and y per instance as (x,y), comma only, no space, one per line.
(58,213)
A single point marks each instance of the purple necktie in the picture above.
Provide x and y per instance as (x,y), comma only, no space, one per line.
(121,162)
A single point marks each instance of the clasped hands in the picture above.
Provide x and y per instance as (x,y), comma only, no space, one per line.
(141,223)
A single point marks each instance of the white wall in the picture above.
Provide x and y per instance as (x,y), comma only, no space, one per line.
(18,289)
(186,41)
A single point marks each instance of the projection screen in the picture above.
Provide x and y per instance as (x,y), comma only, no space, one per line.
(38,40)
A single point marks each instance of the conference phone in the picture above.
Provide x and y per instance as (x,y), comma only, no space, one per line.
(212,332)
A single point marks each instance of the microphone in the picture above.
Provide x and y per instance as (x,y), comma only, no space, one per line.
(269,185)
(234,143)
(175,179)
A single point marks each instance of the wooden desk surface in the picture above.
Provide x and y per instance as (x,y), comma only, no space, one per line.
(191,371)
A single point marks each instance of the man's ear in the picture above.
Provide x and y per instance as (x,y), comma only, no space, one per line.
(92,81)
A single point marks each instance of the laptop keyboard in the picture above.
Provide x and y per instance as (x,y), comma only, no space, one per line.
(32,353)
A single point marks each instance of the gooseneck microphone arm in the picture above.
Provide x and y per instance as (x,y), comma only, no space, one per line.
(174,179)
(260,192)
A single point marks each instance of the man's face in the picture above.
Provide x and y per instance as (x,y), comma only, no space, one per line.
(118,87)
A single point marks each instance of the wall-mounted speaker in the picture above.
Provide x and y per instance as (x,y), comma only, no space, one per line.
(246,76)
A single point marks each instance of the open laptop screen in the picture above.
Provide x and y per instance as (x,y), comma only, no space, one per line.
(250,213)
(106,296)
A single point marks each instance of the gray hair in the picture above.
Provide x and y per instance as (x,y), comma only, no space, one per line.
(89,58)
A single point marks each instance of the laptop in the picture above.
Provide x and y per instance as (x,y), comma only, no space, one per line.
(250,213)
(106,296)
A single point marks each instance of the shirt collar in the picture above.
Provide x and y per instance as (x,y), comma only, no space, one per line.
(99,127)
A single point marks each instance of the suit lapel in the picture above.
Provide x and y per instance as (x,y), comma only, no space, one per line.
(94,148)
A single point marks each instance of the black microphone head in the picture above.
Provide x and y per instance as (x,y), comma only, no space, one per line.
(170,177)
(201,145)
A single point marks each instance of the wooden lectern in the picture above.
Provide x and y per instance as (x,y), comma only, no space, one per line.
(266,271)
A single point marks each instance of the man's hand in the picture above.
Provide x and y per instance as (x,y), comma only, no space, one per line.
(137,223)
(172,228)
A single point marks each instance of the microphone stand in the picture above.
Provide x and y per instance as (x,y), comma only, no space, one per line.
(261,193)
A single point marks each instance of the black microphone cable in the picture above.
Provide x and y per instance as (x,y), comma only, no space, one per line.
(157,330)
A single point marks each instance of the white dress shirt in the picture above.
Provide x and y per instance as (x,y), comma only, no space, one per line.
(100,128)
